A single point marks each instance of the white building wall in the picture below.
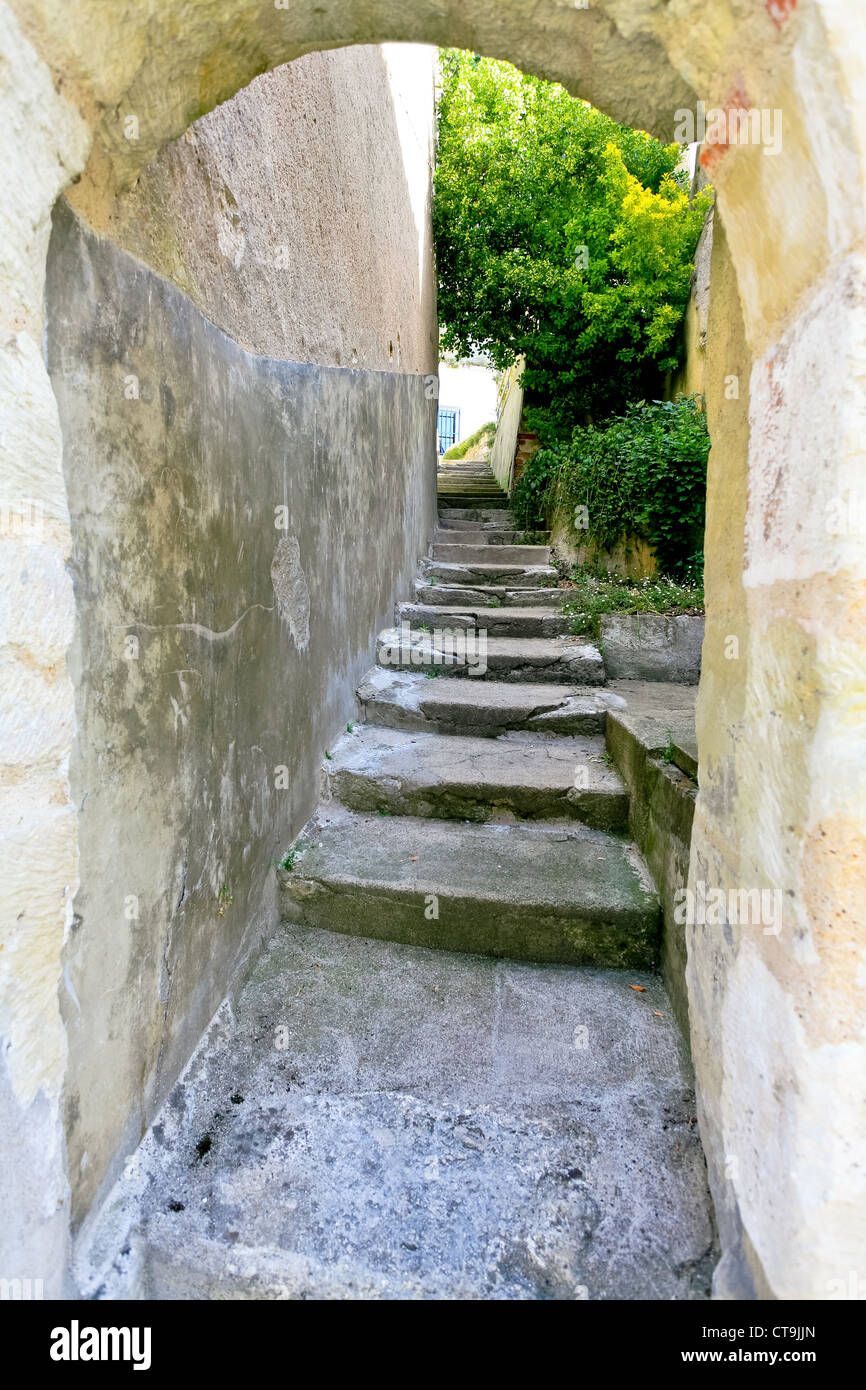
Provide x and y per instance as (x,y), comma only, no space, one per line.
(471,389)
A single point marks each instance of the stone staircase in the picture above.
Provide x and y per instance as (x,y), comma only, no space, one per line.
(463,481)
(482,710)
(455,1073)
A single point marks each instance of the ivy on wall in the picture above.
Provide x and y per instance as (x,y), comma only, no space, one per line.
(642,474)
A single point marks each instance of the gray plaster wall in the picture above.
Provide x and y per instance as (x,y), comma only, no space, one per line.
(218,644)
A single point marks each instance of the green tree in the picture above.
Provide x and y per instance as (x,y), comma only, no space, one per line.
(561,237)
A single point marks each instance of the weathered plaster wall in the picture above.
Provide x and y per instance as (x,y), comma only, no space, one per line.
(215,647)
(510,413)
(777,1025)
(690,379)
(296,216)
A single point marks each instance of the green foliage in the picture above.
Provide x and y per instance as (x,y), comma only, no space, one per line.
(527,176)
(459,451)
(592,593)
(530,496)
(643,474)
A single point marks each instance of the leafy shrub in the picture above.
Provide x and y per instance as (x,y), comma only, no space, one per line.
(530,495)
(643,474)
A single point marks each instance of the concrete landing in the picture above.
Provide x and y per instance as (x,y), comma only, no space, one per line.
(373,1121)
(660,717)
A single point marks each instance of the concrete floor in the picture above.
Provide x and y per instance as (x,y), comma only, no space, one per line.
(369,1120)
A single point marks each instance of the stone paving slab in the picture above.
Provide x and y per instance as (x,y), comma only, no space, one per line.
(372,1121)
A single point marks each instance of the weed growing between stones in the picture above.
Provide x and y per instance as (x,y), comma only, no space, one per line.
(592,592)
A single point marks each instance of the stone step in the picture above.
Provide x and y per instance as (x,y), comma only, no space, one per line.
(461,469)
(463,504)
(449,478)
(459,553)
(409,700)
(489,535)
(498,621)
(494,572)
(476,779)
(468,473)
(485,516)
(567,894)
(463,652)
(468,497)
(467,489)
(429,1127)
(487,595)
(455,527)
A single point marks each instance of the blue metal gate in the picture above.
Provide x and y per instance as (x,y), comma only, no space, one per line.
(447,426)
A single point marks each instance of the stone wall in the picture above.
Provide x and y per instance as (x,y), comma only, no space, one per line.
(652,646)
(632,558)
(648,740)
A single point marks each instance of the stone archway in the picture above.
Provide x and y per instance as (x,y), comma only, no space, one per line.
(777,1021)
